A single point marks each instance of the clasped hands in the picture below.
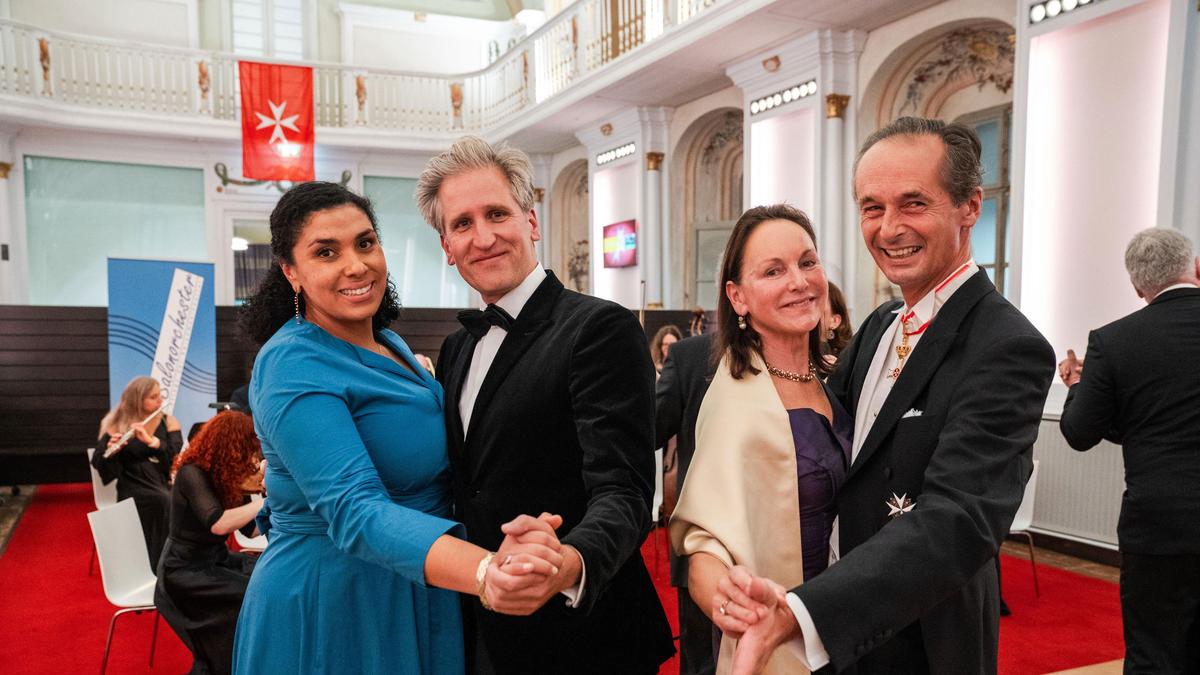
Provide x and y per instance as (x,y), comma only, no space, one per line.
(754,611)
(531,566)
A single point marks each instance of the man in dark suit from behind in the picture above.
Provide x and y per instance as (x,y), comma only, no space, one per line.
(947,389)
(549,408)
(1141,390)
(685,377)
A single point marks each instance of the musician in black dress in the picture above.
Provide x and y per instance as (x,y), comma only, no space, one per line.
(200,582)
(142,466)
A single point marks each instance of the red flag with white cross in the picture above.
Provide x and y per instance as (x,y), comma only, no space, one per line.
(277,121)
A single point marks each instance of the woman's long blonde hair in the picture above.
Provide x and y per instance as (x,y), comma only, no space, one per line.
(129,408)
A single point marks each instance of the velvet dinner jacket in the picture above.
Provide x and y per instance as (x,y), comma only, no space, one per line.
(564,423)
(1141,389)
(955,436)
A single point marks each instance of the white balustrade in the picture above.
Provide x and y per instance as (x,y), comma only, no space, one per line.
(94,72)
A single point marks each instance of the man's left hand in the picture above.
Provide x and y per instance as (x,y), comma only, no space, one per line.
(511,589)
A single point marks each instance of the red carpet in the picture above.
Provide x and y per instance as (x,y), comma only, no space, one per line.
(54,616)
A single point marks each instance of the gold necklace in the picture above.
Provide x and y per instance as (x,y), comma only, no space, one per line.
(794,377)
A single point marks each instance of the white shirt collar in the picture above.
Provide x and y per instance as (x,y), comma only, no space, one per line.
(927,307)
(1173,287)
(514,301)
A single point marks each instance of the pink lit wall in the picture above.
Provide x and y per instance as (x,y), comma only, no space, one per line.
(616,195)
(782,155)
(1091,167)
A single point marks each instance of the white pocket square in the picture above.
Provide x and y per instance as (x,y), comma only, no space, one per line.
(912,412)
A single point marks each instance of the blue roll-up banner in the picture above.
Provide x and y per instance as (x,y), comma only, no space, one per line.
(162,323)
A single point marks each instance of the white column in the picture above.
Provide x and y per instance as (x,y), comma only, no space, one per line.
(1179,200)
(8,263)
(652,260)
(541,206)
(832,243)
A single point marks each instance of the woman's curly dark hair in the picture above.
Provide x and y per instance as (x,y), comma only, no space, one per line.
(273,303)
(228,451)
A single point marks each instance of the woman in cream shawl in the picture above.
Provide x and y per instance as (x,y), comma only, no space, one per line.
(772,445)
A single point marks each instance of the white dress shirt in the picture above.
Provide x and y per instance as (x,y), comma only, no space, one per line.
(880,378)
(485,353)
(1174,287)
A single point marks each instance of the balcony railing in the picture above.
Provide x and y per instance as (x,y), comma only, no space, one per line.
(93,72)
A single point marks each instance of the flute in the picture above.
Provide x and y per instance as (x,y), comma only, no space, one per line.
(129,434)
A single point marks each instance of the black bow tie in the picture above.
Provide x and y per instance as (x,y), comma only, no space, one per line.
(479,322)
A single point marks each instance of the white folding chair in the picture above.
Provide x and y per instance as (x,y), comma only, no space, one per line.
(124,566)
(1024,519)
(103,495)
(253,544)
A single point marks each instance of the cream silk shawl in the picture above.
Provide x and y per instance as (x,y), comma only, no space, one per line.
(740,501)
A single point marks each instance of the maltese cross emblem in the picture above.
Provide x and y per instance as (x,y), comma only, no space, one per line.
(899,505)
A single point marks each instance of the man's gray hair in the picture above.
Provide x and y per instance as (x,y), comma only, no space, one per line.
(467,153)
(1157,258)
(961,171)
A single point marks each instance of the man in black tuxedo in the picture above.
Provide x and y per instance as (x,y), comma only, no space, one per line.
(549,408)
(947,389)
(685,377)
(1141,389)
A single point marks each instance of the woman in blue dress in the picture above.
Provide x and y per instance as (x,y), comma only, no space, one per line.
(364,561)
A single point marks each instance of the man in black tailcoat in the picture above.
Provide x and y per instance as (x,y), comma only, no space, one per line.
(947,389)
(1141,390)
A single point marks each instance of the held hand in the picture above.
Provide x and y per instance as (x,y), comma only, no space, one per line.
(531,566)
(1070,369)
(759,642)
(733,609)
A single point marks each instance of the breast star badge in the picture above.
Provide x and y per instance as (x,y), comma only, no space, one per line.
(899,505)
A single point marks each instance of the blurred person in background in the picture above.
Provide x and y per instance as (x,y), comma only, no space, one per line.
(200,582)
(141,464)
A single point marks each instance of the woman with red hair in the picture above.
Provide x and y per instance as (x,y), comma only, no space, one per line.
(200,582)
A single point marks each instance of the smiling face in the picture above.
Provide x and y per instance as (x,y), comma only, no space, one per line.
(486,233)
(782,287)
(340,267)
(668,340)
(911,226)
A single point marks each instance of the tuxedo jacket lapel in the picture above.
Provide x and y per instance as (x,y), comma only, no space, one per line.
(455,379)
(533,318)
(921,366)
(866,353)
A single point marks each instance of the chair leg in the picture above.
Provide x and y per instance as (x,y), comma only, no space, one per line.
(112,625)
(92,561)
(1033,562)
(154,638)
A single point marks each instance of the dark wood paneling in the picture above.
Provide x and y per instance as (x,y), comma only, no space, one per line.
(54,378)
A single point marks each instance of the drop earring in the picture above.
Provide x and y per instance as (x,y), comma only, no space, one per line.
(296,304)
(741,322)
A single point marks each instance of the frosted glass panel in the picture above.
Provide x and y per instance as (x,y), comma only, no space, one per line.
(79,214)
(983,235)
(415,259)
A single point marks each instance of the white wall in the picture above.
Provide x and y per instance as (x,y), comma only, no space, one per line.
(1091,163)
(616,195)
(783,159)
(387,38)
(161,22)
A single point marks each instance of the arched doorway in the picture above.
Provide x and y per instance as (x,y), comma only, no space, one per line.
(569,206)
(706,173)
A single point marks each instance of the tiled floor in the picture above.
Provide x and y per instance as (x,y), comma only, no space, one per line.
(11,508)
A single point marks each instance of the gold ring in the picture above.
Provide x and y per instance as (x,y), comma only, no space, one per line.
(721,609)
(507,559)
